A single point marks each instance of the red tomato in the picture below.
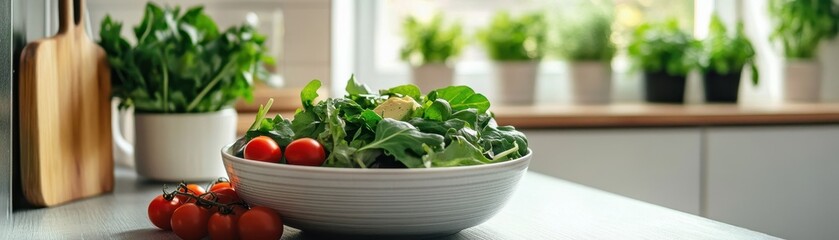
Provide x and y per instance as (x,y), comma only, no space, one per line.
(264,149)
(224,196)
(160,211)
(193,189)
(190,221)
(305,151)
(260,223)
(223,226)
(220,185)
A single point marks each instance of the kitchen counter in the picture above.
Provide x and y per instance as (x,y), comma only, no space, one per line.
(542,208)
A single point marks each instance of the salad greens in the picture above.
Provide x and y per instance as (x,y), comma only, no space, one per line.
(448,127)
(181,62)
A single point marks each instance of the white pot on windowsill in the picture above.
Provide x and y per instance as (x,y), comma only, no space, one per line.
(179,146)
(517,81)
(591,82)
(432,76)
(802,80)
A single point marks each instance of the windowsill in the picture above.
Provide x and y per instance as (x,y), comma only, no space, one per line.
(663,115)
(645,115)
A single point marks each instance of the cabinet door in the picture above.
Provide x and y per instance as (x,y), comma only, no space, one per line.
(656,165)
(781,180)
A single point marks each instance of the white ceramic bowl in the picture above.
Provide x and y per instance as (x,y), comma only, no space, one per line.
(377,202)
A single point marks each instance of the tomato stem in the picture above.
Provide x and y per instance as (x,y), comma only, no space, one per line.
(201,201)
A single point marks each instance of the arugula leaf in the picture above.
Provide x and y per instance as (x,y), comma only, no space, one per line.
(403,141)
(309,93)
(437,127)
(355,88)
(459,153)
(461,98)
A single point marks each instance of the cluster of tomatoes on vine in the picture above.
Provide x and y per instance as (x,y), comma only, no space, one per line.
(194,213)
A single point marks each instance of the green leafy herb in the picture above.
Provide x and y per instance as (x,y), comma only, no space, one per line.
(459,153)
(587,36)
(450,127)
(431,42)
(460,98)
(801,25)
(514,39)
(663,47)
(723,54)
(181,62)
(403,141)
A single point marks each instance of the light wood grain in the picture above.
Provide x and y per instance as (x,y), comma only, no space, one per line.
(64,100)
(542,208)
(634,115)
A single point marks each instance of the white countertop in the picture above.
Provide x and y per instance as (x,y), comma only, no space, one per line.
(543,207)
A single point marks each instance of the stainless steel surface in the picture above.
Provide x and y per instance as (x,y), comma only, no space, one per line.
(6,110)
(542,208)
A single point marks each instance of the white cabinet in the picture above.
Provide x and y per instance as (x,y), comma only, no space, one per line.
(656,165)
(781,180)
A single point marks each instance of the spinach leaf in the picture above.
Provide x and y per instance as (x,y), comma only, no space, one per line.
(461,98)
(459,153)
(437,127)
(497,141)
(439,110)
(404,90)
(404,142)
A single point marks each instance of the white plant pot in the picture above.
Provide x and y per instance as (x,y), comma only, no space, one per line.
(433,76)
(591,82)
(517,81)
(802,81)
(184,146)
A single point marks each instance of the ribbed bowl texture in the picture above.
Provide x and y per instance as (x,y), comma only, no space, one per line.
(377,202)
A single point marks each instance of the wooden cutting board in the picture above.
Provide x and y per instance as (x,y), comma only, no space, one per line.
(65,114)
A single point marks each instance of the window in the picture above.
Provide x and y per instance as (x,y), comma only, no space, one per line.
(377,40)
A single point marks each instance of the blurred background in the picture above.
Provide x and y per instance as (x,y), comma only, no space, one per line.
(762,160)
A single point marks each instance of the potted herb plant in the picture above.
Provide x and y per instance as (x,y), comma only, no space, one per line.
(666,54)
(723,59)
(801,26)
(586,43)
(516,44)
(181,76)
(429,48)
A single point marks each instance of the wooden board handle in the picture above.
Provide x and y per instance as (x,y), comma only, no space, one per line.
(70,15)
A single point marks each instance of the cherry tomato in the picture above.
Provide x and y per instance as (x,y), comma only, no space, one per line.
(193,189)
(260,223)
(305,151)
(220,185)
(160,211)
(224,196)
(190,221)
(223,226)
(264,149)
